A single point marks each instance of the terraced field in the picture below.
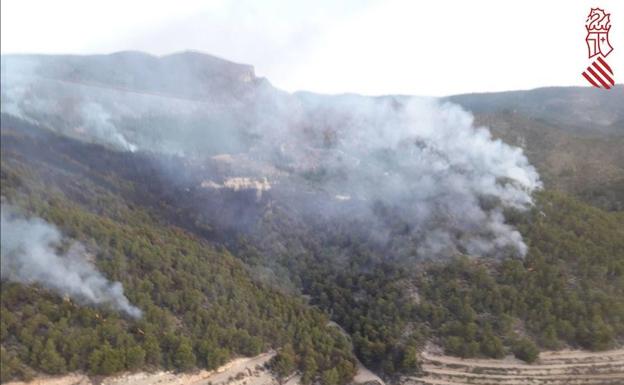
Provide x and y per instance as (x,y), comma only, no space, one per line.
(553,368)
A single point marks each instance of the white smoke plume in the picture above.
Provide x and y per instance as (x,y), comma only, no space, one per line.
(29,255)
(38,100)
(448,180)
(423,160)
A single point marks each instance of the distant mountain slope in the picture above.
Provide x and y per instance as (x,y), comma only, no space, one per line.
(188,75)
(574,136)
(583,110)
(181,103)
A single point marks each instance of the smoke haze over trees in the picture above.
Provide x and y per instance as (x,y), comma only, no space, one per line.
(419,157)
(29,256)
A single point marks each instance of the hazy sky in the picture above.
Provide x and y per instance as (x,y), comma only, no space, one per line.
(371,47)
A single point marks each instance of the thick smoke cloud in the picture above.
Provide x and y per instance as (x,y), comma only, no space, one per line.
(446,179)
(29,256)
(417,160)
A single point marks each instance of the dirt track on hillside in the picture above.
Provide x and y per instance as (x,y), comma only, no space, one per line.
(241,371)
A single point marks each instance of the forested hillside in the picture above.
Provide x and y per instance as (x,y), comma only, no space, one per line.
(201,306)
(210,291)
(568,291)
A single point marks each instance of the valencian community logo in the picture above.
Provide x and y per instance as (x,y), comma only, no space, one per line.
(598,24)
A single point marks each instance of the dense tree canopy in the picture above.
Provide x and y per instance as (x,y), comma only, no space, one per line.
(209,294)
(201,306)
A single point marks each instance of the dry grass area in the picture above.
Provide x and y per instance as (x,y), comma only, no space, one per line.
(567,367)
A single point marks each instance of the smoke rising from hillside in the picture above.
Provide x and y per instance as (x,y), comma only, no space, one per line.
(29,256)
(444,178)
(419,161)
